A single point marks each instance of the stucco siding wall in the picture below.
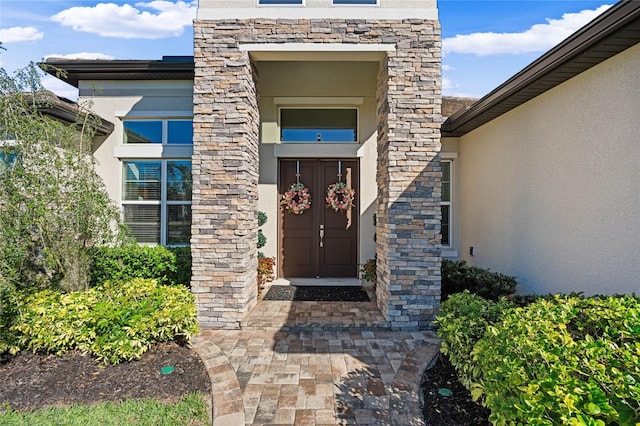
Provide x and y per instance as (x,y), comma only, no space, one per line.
(116,100)
(550,192)
(305,83)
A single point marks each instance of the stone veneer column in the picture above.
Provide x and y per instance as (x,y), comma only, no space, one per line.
(225,180)
(409,178)
(225,162)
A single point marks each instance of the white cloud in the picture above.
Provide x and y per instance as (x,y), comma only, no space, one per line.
(60,88)
(162,19)
(79,55)
(447,84)
(446,67)
(18,34)
(538,38)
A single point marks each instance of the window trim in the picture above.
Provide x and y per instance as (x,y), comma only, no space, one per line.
(165,132)
(162,202)
(324,106)
(377,4)
(302,4)
(449,203)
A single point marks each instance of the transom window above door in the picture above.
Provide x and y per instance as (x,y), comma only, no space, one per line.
(318,125)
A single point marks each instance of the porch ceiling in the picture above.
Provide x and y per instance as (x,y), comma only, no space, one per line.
(317,51)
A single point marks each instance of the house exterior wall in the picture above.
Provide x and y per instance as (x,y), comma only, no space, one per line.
(315,84)
(317,9)
(118,100)
(226,159)
(549,191)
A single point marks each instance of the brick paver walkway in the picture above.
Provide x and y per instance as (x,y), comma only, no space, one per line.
(315,363)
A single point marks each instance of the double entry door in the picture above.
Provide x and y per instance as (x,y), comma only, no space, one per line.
(319,243)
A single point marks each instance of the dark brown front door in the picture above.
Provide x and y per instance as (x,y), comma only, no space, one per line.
(320,242)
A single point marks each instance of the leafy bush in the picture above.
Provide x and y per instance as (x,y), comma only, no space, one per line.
(54,206)
(8,314)
(561,360)
(167,265)
(368,270)
(458,276)
(115,321)
(568,360)
(265,271)
(463,321)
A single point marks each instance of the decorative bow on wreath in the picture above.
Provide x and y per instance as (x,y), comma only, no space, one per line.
(340,196)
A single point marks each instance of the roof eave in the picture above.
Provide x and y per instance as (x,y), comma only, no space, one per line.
(618,17)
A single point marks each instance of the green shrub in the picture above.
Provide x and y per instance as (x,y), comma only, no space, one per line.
(458,276)
(567,360)
(463,320)
(182,274)
(8,314)
(167,265)
(265,271)
(115,322)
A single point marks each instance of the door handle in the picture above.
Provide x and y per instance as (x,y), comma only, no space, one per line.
(321,236)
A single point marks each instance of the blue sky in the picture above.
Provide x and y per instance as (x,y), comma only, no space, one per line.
(484,42)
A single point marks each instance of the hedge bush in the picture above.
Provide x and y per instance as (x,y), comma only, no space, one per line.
(8,314)
(167,265)
(115,322)
(562,360)
(458,276)
(463,320)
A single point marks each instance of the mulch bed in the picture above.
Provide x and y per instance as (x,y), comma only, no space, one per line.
(457,409)
(317,293)
(32,381)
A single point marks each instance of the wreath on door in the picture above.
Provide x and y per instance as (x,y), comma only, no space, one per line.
(339,197)
(297,199)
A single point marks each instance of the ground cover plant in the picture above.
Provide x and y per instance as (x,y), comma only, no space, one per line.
(114,322)
(190,410)
(560,360)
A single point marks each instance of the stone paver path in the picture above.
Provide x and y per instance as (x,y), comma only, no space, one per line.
(349,369)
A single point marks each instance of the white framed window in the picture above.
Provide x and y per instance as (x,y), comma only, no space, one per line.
(280,2)
(156,200)
(355,2)
(158,131)
(446,203)
(318,125)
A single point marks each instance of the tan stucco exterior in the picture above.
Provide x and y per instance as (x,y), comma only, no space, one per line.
(550,192)
(118,100)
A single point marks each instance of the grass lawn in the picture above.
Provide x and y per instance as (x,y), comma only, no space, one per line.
(190,410)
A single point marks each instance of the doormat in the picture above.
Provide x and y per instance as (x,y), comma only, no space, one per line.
(317,293)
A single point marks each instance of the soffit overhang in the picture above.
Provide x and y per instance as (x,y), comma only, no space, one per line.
(609,34)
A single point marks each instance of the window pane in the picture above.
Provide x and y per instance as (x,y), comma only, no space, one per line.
(446,180)
(180,132)
(261,2)
(141,180)
(319,125)
(144,222)
(142,131)
(445,225)
(7,158)
(178,224)
(179,183)
(355,1)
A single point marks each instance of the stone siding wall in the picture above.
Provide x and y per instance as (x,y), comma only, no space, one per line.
(225,162)
(409,181)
